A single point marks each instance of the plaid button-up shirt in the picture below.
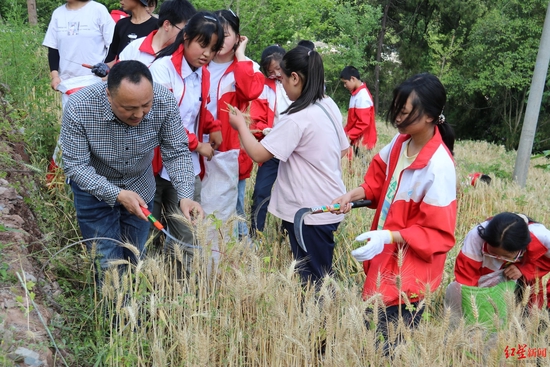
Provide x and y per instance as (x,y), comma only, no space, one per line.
(103,155)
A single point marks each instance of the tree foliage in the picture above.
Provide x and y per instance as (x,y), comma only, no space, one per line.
(484,51)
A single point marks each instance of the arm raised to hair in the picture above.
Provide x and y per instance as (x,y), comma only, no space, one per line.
(254,149)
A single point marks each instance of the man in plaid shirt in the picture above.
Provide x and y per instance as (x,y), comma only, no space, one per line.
(108,135)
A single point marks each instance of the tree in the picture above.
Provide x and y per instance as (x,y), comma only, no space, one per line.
(31,9)
(381,36)
(495,67)
(533,105)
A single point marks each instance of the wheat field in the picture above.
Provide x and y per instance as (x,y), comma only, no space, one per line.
(252,310)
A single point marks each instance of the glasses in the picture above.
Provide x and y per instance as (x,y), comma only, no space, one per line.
(177,27)
(502,258)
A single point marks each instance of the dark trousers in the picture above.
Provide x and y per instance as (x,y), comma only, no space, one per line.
(316,263)
(265,178)
(390,316)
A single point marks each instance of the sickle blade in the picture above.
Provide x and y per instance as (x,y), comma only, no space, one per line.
(298,226)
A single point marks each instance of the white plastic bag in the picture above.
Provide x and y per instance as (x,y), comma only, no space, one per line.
(219,195)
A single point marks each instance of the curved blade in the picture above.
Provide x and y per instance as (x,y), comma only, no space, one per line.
(257,211)
(298,226)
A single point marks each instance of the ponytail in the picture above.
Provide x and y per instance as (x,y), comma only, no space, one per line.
(309,66)
(447,135)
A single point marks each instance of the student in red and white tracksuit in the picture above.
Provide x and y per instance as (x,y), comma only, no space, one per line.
(264,114)
(235,80)
(505,247)
(181,67)
(361,125)
(412,185)
(118,14)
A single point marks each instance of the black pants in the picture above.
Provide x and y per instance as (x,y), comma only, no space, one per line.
(390,316)
(316,263)
(265,178)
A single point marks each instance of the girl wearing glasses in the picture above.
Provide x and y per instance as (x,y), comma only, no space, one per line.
(173,16)
(505,247)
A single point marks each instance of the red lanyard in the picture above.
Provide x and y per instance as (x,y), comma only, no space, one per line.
(184,89)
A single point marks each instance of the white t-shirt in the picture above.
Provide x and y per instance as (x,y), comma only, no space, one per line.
(216,72)
(309,146)
(81,36)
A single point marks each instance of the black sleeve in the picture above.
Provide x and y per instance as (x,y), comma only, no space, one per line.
(113,48)
(53,58)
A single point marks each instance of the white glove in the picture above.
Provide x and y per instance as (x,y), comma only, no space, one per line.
(375,245)
(266,131)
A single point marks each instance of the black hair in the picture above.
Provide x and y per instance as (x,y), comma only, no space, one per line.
(200,28)
(348,72)
(152,4)
(506,230)
(228,19)
(131,70)
(269,54)
(428,98)
(175,12)
(309,67)
(307,44)
(485,179)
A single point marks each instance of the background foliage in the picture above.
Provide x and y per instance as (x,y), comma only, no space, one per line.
(483,51)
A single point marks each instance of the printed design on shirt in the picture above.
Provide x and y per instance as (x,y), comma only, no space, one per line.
(392,188)
(132,37)
(73,28)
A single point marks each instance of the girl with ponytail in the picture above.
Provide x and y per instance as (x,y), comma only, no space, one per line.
(412,185)
(309,141)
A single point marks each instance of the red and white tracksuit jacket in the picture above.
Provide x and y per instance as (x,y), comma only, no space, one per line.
(140,50)
(239,85)
(473,268)
(207,124)
(262,110)
(361,123)
(118,14)
(423,211)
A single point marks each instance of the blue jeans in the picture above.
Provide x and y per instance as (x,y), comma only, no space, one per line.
(265,178)
(98,219)
(243,227)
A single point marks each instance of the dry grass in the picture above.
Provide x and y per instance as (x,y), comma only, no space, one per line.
(253,311)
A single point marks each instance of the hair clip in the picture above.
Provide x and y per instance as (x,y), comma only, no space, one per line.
(209,17)
(235,15)
(441,119)
(524,217)
(309,52)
